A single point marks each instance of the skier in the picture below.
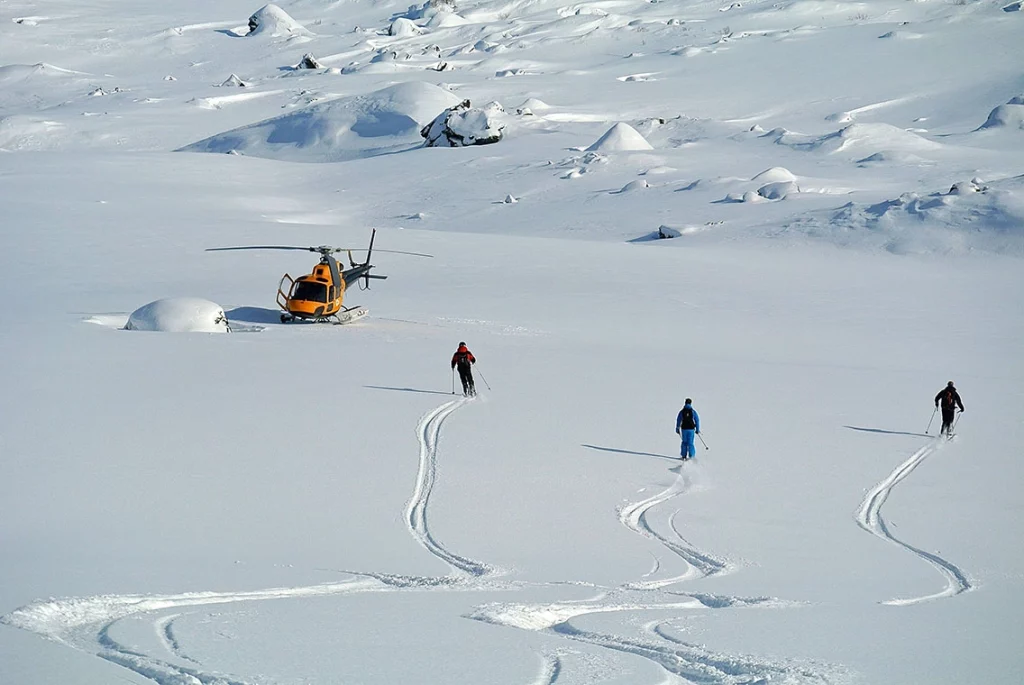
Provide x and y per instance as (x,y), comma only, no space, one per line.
(464,360)
(687,424)
(950,400)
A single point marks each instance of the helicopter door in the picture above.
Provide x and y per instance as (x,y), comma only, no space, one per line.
(282,293)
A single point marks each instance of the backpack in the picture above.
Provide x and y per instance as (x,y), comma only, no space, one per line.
(462,360)
(686,420)
(949,399)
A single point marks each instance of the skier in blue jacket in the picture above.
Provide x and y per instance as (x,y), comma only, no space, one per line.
(687,425)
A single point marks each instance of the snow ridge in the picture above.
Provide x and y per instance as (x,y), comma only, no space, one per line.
(869,517)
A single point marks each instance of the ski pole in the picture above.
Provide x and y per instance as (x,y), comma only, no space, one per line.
(956,422)
(453,380)
(484,379)
(702,441)
(930,420)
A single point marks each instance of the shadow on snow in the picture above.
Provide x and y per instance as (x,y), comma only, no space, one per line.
(879,430)
(618,451)
(427,392)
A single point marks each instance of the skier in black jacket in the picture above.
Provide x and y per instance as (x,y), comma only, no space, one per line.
(949,398)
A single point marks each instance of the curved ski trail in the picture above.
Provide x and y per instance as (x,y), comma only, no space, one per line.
(691,662)
(429,432)
(86,624)
(869,517)
(700,564)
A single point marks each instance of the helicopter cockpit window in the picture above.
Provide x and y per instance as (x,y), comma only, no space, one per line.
(312,292)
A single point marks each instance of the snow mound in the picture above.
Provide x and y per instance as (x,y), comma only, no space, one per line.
(620,138)
(346,128)
(776,174)
(21,72)
(534,105)
(271,20)
(179,315)
(633,186)
(1010,115)
(893,157)
(464,125)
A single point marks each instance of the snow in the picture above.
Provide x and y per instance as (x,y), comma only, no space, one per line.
(301,503)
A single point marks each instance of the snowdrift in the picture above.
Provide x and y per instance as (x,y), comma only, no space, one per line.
(179,315)
(347,128)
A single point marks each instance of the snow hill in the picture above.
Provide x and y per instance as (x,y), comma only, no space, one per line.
(806,217)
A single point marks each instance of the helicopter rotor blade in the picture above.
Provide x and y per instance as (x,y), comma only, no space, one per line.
(415,254)
(262,247)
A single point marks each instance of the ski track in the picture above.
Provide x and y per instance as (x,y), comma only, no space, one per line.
(869,517)
(85,623)
(165,629)
(700,564)
(691,662)
(428,432)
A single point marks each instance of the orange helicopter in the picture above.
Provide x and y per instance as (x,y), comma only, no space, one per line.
(318,296)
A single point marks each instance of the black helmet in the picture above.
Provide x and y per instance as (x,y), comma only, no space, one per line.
(949,385)
(688,401)
(461,343)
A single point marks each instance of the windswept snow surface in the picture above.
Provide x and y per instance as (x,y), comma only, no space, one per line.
(844,185)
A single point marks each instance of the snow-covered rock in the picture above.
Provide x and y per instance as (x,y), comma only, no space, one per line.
(430,9)
(308,61)
(777,190)
(233,81)
(620,138)
(179,315)
(271,20)
(464,125)
(404,28)
(665,232)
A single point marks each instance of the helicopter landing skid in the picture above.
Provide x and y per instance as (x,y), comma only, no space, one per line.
(348,316)
(341,318)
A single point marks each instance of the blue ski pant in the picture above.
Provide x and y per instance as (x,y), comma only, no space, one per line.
(687,449)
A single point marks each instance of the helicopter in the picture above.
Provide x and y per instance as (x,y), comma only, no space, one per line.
(318,296)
